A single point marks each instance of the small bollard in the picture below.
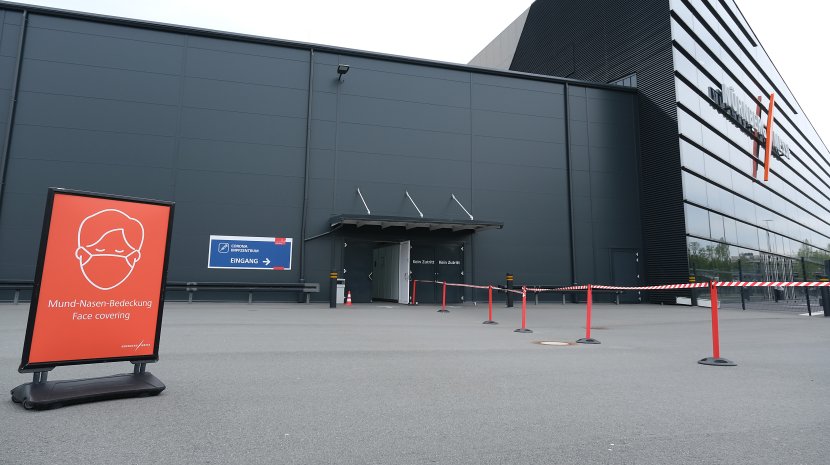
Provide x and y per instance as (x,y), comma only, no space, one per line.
(333,290)
(509,286)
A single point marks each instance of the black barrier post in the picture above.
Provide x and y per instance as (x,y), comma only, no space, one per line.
(825,291)
(333,290)
(694,291)
(806,289)
(741,278)
(509,287)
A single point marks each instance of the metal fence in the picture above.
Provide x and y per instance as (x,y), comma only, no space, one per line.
(772,268)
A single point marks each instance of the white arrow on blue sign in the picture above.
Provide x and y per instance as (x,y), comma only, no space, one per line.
(250,253)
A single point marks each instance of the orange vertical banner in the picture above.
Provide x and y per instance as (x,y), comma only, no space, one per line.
(769,137)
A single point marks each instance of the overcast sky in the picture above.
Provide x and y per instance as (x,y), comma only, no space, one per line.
(793,33)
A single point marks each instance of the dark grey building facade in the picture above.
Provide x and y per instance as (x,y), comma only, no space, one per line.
(463,173)
(704,82)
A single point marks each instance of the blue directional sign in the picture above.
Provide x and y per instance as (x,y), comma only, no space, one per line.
(250,253)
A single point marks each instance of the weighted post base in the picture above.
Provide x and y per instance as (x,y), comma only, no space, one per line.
(489,322)
(587,340)
(522,330)
(722,362)
(53,394)
(443,310)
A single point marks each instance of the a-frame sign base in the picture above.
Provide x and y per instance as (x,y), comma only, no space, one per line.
(41,394)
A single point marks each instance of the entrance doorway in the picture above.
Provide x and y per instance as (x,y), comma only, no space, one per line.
(380,271)
(377,271)
(444,262)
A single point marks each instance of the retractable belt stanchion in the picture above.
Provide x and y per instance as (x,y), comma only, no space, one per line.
(588,339)
(444,299)
(490,307)
(524,329)
(715,359)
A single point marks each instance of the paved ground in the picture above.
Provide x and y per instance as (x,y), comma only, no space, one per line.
(304,384)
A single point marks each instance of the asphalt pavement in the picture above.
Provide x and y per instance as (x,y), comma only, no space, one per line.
(390,384)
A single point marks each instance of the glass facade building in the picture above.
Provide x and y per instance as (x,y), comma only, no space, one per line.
(705,84)
(737,224)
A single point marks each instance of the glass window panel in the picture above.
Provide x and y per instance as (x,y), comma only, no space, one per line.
(694,189)
(713,196)
(718,172)
(716,226)
(747,235)
(745,210)
(691,157)
(730,230)
(697,221)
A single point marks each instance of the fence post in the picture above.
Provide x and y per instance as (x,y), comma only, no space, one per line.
(694,291)
(715,359)
(806,289)
(741,278)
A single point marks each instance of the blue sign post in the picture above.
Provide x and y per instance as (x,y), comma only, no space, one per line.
(250,253)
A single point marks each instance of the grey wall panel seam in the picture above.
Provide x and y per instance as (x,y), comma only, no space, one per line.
(104,36)
(472,190)
(7,143)
(178,137)
(107,131)
(336,147)
(306,172)
(439,105)
(244,142)
(117,68)
(105,99)
(568,166)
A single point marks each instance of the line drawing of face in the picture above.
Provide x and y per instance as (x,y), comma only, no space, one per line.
(109,245)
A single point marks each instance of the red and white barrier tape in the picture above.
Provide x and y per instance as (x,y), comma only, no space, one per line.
(661,287)
(473,286)
(772,284)
(691,286)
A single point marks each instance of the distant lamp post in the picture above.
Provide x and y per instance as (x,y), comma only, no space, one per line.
(341,70)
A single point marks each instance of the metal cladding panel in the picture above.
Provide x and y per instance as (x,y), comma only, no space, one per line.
(10,22)
(219,126)
(140,112)
(603,40)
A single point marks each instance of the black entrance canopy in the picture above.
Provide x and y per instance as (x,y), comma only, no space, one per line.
(408,222)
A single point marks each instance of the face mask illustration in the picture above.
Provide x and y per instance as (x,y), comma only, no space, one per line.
(109,245)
